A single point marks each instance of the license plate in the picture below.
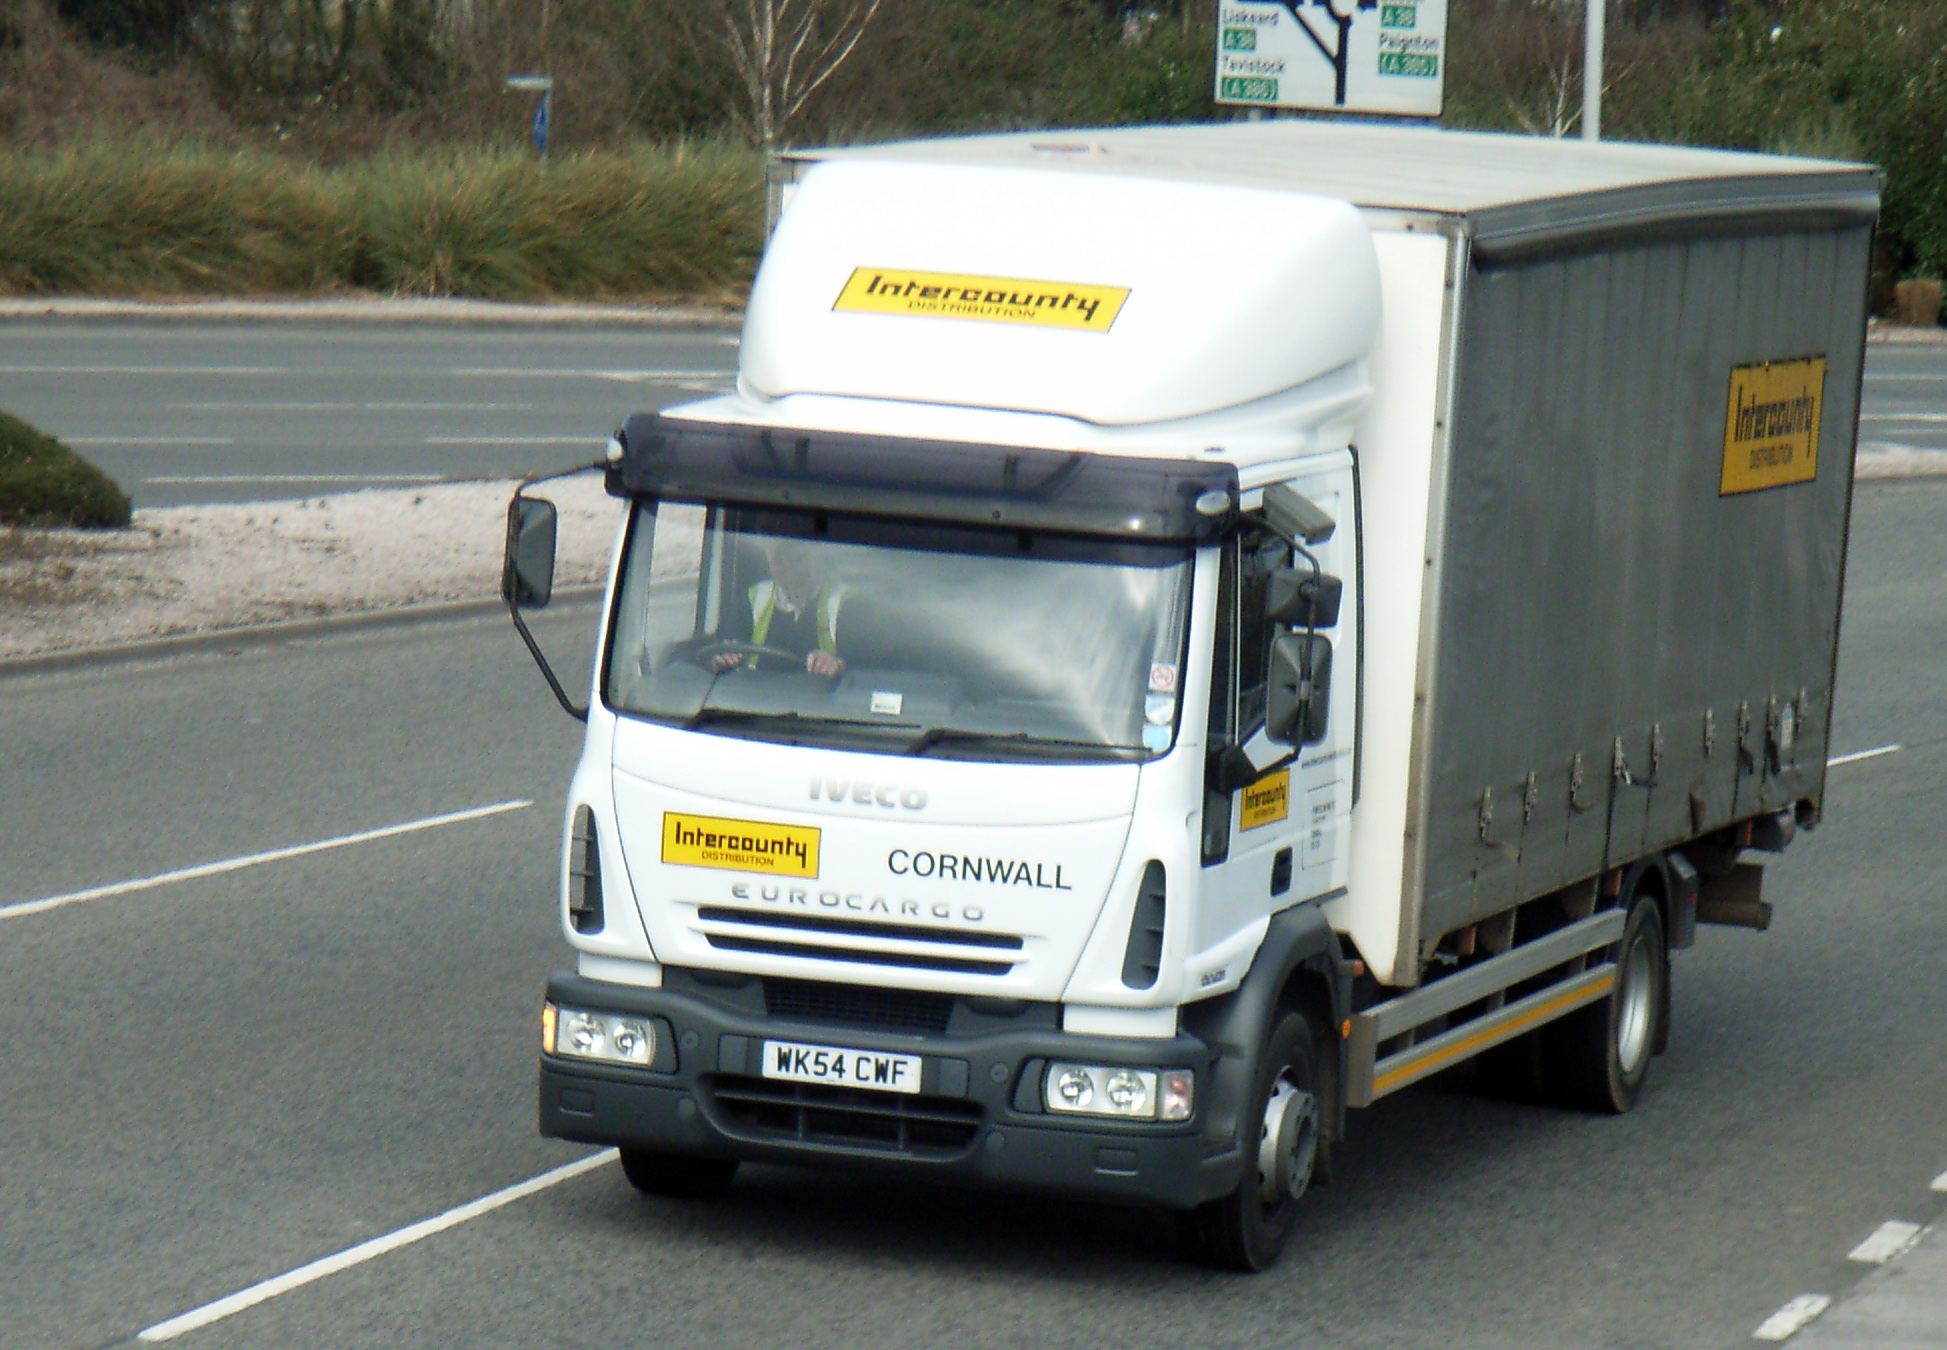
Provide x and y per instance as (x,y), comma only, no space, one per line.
(839,1067)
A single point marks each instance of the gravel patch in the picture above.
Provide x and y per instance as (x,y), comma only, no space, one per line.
(198,569)
(203,569)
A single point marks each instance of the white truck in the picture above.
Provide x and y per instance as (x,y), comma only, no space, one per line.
(1181,632)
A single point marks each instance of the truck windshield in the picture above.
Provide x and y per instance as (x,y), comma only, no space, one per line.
(898,637)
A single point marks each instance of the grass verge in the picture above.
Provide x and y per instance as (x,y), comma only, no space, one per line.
(42,482)
(139,220)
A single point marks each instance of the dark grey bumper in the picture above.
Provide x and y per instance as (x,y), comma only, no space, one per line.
(977,1119)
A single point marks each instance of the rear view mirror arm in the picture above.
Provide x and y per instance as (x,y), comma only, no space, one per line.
(577,711)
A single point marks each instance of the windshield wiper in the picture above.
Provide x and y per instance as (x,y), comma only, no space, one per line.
(933,736)
(714,714)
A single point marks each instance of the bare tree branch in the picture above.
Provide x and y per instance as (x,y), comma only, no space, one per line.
(781,52)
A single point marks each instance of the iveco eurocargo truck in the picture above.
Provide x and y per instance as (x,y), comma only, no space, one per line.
(1181,632)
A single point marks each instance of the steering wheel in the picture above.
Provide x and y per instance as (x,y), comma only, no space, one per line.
(705,656)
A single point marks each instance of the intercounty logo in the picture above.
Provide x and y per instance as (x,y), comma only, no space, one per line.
(740,845)
(1771,425)
(951,295)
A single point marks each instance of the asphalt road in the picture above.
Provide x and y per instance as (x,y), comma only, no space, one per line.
(187,412)
(183,412)
(211,1082)
(1905,403)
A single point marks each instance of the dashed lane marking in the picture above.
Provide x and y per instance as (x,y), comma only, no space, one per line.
(294,478)
(1939,1184)
(26,907)
(1858,755)
(1791,1317)
(583,439)
(365,1251)
(1885,1242)
(152,440)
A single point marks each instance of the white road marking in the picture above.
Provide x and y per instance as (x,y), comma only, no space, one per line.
(1791,1317)
(1939,1184)
(246,405)
(583,439)
(365,1251)
(26,907)
(294,478)
(151,440)
(1885,1242)
(145,370)
(626,376)
(1858,755)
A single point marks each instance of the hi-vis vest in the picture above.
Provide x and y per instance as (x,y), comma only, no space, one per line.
(763,604)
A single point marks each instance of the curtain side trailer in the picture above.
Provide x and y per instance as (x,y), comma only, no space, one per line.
(1182,632)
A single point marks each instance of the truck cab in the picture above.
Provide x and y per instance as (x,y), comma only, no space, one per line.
(978,687)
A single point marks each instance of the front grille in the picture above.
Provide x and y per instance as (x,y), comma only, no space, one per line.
(815,923)
(809,1113)
(957,965)
(851,1005)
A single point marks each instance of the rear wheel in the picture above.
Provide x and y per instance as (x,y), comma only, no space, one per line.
(677,1175)
(1246,1229)
(1598,1057)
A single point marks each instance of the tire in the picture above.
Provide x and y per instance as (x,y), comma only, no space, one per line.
(677,1176)
(1246,1230)
(1597,1058)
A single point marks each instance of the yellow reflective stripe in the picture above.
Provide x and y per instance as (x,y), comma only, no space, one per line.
(1480,1040)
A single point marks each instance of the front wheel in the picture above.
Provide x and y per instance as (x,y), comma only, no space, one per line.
(1598,1057)
(1246,1229)
(676,1175)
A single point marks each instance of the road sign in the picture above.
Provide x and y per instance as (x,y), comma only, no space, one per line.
(1371,56)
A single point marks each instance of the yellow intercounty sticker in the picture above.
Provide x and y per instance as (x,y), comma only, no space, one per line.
(1771,426)
(950,295)
(740,845)
(1267,800)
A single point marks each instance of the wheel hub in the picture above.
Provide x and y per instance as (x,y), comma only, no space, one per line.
(1289,1144)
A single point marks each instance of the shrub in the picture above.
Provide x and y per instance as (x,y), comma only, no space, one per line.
(42,482)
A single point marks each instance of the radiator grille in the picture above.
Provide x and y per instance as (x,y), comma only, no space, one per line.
(929,1127)
(852,1005)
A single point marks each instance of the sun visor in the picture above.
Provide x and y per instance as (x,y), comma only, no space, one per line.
(1116,301)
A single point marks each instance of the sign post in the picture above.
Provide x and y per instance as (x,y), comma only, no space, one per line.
(1357,56)
(543,111)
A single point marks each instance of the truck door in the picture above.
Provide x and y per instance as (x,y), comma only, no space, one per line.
(1281,837)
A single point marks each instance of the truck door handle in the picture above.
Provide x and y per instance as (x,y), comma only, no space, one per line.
(1281,872)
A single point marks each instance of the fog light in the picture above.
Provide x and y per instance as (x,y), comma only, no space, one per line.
(611,1038)
(632,1040)
(1110,1090)
(1127,1094)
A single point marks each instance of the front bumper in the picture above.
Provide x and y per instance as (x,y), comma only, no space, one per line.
(978,1118)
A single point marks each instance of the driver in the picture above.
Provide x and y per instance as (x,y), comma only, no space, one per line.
(796,610)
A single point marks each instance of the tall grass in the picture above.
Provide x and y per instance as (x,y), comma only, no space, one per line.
(135,219)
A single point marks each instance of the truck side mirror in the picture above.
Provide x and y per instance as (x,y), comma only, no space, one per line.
(527,572)
(1300,598)
(1297,701)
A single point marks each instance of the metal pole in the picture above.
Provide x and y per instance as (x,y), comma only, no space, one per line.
(1592,71)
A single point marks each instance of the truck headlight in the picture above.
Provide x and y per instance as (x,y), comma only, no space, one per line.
(1108,1090)
(607,1037)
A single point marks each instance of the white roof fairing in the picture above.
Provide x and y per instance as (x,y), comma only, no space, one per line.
(1234,293)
